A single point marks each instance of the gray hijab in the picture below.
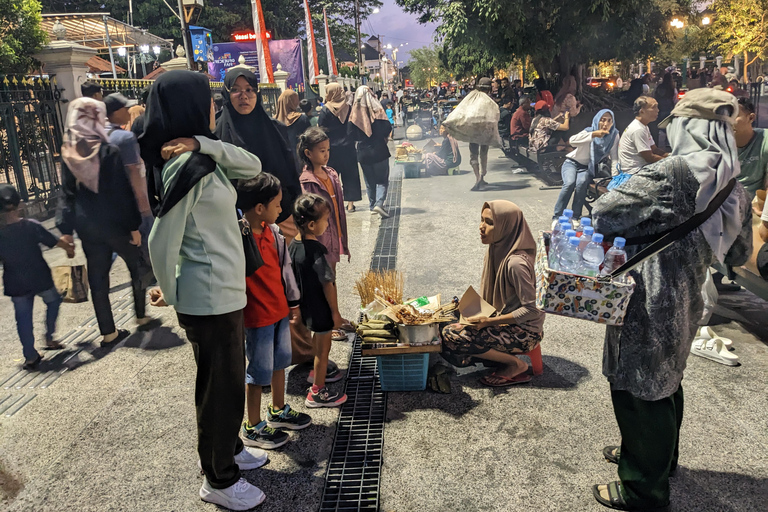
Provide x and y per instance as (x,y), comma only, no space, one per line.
(709,149)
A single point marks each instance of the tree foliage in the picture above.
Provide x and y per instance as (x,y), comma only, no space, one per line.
(426,66)
(479,35)
(740,26)
(21,35)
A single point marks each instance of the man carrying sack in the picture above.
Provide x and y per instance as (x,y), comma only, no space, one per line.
(476,120)
(645,358)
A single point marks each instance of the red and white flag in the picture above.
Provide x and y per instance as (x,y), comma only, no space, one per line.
(331,57)
(262,44)
(311,48)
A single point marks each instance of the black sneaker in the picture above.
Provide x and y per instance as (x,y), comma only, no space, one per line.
(263,436)
(333,374)
(287,418)
(33,364)
(324,398)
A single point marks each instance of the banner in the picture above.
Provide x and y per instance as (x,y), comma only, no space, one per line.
(262,44)
(311,48)
(332,69)
(286,52)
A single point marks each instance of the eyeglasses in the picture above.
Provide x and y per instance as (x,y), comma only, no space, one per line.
(239,92)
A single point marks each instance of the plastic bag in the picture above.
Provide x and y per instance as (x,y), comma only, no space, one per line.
(618,180)
(710,295)
(71,282)
(475,119)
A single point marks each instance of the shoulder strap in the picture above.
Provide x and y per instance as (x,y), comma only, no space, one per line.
(667,238)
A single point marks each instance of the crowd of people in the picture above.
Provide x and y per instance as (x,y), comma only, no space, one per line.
(242,220)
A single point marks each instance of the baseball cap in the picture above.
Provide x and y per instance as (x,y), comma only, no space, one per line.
(540,105)
(484,83)
(9,197)
(703,103)
(116,101)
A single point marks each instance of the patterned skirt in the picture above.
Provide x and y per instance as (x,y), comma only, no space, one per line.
(462,342)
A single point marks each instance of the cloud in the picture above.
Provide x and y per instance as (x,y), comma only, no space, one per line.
(397,27)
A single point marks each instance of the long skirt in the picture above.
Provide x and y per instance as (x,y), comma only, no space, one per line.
(344,161)
(461,343)
(434,164)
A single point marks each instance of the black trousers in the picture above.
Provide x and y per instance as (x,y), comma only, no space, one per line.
(98,253)
(650,440)
(218,343)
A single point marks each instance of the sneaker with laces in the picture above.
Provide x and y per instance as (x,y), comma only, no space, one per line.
(249,458)
(240,496)
(287,418)
(332,375)
(263,436)
(324,398)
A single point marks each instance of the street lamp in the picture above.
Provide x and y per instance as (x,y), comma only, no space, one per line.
(676,23)
(375,10)
(706,20)
(121,51)
(156,50)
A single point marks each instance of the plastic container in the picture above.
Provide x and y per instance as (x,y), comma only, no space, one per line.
(592,256)
(615,257)
(585,238)
(406,372)
(570,259)
(418,334)
(557,241)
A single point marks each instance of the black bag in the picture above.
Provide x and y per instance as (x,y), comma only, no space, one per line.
(253,259)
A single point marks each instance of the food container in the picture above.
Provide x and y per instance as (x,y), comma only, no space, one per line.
(424,334)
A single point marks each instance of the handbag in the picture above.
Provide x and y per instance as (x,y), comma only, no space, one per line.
(71,282)
(253,259)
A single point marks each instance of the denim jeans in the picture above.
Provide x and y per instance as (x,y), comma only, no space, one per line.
(576,182)
(24,306)
(376,182)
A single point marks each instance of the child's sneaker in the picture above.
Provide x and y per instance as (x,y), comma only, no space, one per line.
(263,436)
(324,398)
(240,496)
(332,375)
(287,418)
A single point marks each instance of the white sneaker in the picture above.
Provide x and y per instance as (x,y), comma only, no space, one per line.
(249,458)
(240,496)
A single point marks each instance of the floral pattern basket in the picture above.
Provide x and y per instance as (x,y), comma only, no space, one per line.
(561,293)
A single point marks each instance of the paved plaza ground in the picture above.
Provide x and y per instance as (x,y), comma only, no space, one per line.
(115,430)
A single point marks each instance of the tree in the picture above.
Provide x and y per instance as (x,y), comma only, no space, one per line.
(479,36)
(740,27)
(21,35)
(426,66)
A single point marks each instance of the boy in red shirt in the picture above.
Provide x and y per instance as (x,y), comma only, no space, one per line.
(272,296)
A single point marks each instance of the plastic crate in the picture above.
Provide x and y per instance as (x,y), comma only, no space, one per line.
(406,372)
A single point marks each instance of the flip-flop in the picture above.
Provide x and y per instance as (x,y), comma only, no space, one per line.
(506,381)
(715,350)
(339,336)
(707,334)
(348,327)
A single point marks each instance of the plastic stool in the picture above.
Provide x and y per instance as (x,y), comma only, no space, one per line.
(453,170)
(536,363)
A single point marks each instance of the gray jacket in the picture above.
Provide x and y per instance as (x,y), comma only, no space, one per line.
(292,292)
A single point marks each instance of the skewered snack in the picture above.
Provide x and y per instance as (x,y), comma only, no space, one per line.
(387,284)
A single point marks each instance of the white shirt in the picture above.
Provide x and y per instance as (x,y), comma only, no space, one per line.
(582,142)
(635,139)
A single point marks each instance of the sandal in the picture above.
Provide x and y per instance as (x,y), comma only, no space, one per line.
(612,453)
(715,350)
(708,334)
(616,500)
(521,378)
(339,336)
(348,326)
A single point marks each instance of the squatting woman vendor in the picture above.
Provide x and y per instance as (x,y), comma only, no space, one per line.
(508,284)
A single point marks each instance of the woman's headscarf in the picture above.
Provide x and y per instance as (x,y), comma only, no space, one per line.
(261,135)
(601,146)
(135,112)
(635,91)
(366,109)
(179,105)
(84,132)
(336,101)
(709,148)
(288,107)
(568,87)
(511,235)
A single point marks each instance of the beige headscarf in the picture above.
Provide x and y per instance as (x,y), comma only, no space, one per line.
(511,235)
(336,101)
(135,111)
(288,107)
(366,109)
(84,132)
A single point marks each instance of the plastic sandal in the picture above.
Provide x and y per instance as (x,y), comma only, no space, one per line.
(612,453)
(707,333)
(715,350)
(506,381)
(616,500)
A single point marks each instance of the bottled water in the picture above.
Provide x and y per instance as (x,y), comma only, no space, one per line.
(615,257)
(556,224)
(583,222)
(585,238)
(570,259)
(592,256)
(556,244)
(568,214)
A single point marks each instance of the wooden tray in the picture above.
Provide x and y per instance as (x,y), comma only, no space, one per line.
(393,351)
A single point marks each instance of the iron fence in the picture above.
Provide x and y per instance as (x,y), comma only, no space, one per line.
(31,137)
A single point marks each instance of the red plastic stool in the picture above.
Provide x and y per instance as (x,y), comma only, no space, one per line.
(536,363)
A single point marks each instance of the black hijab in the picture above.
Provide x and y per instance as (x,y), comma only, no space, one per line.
(262,136)
(179,105)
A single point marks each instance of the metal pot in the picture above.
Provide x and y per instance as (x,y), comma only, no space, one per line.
(418,334)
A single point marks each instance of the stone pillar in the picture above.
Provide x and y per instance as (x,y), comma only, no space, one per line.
(719,61)
(736,66)
(67,61)
(322,81)
(180,62)
(281,77)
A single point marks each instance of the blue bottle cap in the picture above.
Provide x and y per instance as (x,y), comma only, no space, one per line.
(574,240)
(589,230)
(619,242)
(585,221)
(570,232)
(597,238)
(568,213)
(563,218)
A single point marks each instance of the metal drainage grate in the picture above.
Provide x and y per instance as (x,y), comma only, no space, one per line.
(354,466)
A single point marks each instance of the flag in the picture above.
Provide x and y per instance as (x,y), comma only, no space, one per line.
(262,44)
(329,47)
(311,49)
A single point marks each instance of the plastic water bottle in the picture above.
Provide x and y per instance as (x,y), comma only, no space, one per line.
(569,215)
(615,257)
(583,222)
(556,244)
(585,238)
(556,224)
(593,255)
(570,259)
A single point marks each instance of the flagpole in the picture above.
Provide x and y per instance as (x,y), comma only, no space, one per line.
(311,48)
(332,68)
(262,44)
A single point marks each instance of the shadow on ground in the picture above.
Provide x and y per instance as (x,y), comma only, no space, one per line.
(718,491)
